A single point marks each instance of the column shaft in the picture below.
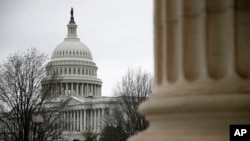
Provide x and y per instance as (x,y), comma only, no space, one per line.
(67,89)
(84,119)
(77,89)
(81,122)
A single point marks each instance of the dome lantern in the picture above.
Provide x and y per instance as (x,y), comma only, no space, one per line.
(72,26)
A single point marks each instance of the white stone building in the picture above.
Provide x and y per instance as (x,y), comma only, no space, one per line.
(79,87)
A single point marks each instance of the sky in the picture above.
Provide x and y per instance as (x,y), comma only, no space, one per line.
(119,33)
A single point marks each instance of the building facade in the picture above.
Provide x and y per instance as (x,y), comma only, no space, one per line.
(84,106)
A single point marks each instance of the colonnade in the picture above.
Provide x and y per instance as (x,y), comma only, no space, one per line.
(73,89)
(83,119)
(86,71)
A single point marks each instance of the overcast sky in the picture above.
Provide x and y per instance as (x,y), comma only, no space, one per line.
(119,33)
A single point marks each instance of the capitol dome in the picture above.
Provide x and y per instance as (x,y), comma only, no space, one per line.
(71,48)
(73,62)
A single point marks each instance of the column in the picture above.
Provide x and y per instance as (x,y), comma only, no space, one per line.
(81,120)
(94,119)
(98,120)
(102,110)
(73,120)
(67,115)
(100,90)
(87,89)
(67,89)
(202,71)
(77,89)
(84,119)
(61,89)
(82,89)
(72,89)
(96,91)
(64,120)
(91,119)
(70,121)
(78,120)
(93,89)
(90,89)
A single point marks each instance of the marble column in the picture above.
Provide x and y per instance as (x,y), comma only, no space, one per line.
(82,89)
(98,119)
(73,120)
(77,119)
(67,89)
(77,89)
(202,71)
(67,121)
(72,89)
(84,120)
(87,90)
(64,120)
(96,90)
(81,120)
(91,119)
(61,89)
(102,115)
(94,119)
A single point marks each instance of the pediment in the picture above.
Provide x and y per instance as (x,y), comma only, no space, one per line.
(72,101)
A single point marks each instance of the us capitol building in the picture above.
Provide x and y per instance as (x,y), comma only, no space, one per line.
(80,88)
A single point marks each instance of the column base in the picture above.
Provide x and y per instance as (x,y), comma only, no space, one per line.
(193,118)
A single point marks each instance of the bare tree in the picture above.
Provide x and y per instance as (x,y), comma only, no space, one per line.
(133,89)
(26,112)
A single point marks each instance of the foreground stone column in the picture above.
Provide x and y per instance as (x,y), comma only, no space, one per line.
(202,70)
